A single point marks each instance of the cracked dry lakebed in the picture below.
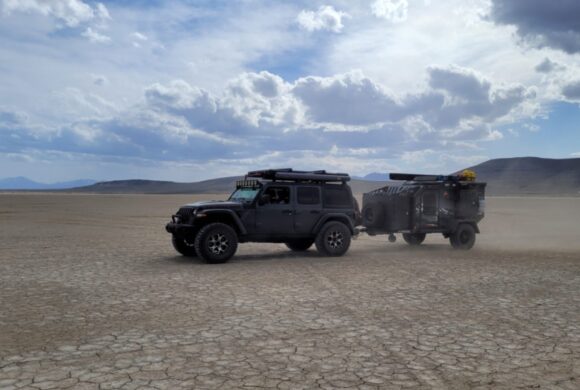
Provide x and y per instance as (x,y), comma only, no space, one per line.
(93,296)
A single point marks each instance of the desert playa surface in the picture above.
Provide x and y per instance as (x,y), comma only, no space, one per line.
(93,296)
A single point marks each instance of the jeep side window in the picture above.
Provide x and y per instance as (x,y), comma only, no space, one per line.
(336,195)
(308,195)
(278,195)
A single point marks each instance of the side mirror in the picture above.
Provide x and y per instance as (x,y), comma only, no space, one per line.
(264,199)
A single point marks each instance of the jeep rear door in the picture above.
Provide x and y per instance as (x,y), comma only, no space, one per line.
(308,208)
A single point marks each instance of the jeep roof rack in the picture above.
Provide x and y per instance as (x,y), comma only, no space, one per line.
(288,174)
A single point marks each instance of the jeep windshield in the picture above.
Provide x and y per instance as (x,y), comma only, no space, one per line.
(245,195)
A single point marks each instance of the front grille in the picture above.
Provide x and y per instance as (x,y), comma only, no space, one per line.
(185,214)
(186,211)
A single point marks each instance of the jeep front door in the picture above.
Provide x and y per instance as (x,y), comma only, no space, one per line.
(275,214)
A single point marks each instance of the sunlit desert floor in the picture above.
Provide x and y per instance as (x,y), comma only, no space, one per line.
(92,295)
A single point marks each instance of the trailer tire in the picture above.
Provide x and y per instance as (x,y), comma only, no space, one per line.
(333,239)
(414,239)
(373,215)
(463,237)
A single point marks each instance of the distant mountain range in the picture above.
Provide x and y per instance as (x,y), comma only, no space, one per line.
(213,186)
(505,176)
(23,183)
(376,176)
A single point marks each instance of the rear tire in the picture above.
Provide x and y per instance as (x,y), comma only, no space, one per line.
(299,245)
(333,239)
(373,215)
(184,246)
(216,243)
(414,239)
(463,238)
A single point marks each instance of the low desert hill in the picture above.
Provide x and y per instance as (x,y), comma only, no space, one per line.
(530,176)
(505,176)
(213,186)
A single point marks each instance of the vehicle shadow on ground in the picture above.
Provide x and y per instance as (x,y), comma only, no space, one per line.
(314,255)
(271,256)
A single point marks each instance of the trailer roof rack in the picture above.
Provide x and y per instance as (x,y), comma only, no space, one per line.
(288,174)
(417,177)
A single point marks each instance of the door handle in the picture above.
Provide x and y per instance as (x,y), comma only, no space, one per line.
(289,212)
(314,212)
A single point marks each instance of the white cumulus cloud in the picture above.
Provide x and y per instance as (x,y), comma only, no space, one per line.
(325,18)
(95,36)
(71,12)
(393,10)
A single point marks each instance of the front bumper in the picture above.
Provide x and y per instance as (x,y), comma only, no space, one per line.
(178,228)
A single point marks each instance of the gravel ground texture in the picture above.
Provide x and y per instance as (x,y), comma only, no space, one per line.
(93,296)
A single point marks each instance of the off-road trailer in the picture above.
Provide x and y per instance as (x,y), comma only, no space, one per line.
(421,204)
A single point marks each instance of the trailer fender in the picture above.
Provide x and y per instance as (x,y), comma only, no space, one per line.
(456,225)
(334,217)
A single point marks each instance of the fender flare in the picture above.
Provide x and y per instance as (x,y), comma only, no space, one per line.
(229,213)
(335,217)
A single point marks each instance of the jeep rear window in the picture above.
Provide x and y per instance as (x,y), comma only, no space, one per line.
(308,195)
(336,196)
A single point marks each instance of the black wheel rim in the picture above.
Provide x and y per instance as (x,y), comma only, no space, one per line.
(464,237)
(335,239)
(218,244)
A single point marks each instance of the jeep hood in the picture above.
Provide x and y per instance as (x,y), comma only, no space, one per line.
(215,204)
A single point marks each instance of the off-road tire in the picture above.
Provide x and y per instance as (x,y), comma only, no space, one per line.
(373,215)
(333,239)
(463,238)
(184,246)
(414,239)
(299,245)
(216,243)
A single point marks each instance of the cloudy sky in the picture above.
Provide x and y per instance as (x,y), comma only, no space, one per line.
(188,90)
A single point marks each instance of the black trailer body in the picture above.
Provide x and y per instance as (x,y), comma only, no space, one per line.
(426,204)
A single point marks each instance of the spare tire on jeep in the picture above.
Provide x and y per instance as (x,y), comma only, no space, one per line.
(373,215)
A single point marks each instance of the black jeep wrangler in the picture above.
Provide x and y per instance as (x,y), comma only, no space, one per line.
(279,205)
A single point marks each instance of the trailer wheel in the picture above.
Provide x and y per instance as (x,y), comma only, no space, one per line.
(463,238)
(373,215)
(333,239)
(299,245)
(414,239)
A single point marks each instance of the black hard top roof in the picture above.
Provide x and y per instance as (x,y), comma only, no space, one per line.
(288,174)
